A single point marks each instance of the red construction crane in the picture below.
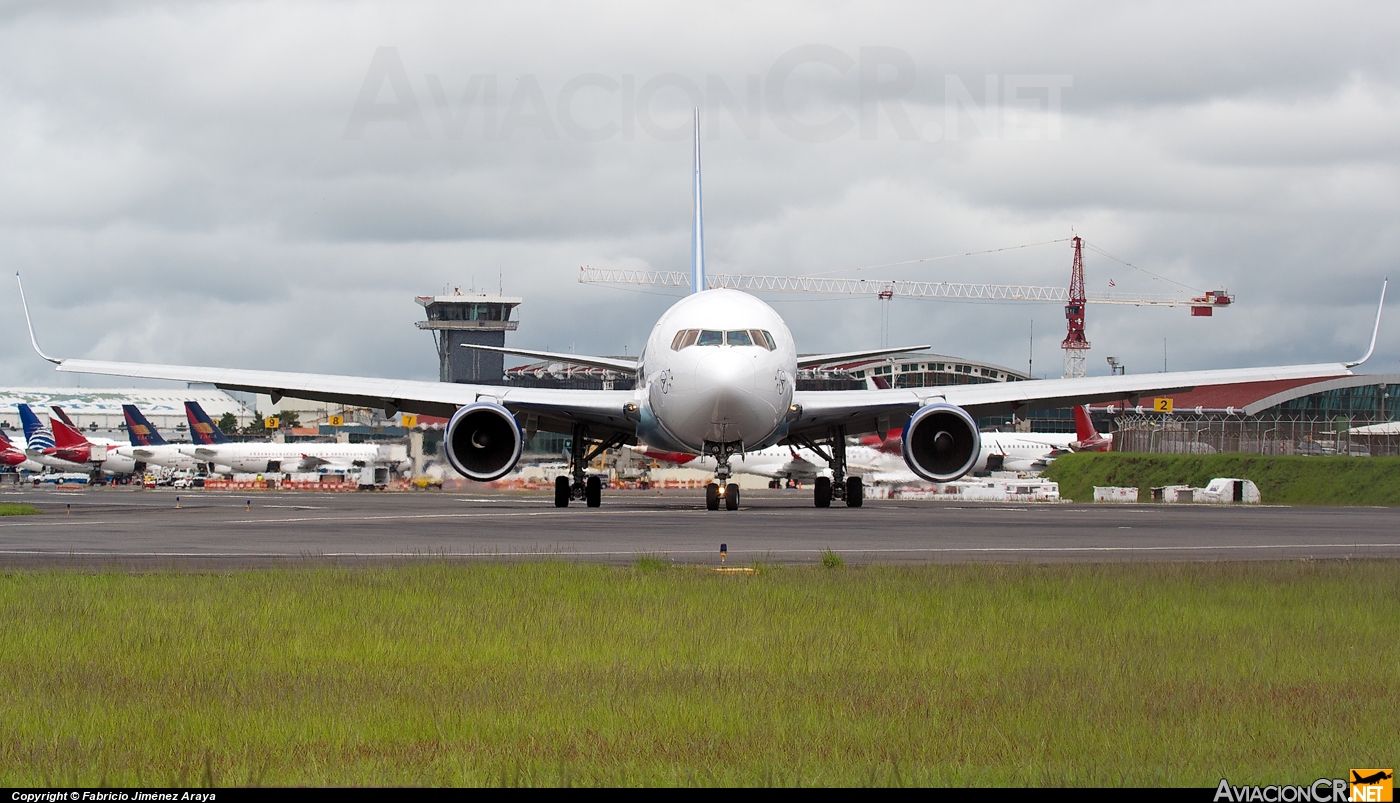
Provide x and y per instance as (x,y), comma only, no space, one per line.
(1075,342)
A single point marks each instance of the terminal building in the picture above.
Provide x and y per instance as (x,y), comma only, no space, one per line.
(1345,415)
(100,409)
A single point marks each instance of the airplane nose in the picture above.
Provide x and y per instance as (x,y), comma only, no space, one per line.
(724,371)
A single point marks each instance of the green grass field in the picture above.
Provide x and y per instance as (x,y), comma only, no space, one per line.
(1288,480)
(8,509)
(554,673)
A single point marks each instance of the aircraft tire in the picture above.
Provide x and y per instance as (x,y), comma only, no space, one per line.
(855,492)
(561,491)
(593,492)
(712,497)
(821,492)
(731,497)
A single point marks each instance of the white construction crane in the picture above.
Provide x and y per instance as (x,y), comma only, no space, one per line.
(897,287)
(1074,297)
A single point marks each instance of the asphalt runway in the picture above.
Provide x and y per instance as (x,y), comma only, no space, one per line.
(127,527)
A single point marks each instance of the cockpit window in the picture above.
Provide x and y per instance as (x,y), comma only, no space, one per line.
(686,338)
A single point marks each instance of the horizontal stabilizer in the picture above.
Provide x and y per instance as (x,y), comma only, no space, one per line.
(813,360)
(623,365)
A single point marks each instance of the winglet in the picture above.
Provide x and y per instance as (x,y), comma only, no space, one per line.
(1375,331)
(697,223)
(30,323)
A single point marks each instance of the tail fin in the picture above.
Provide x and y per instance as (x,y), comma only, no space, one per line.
(62,416)
(65,436)
(202,428)
(1083,425)
(35,435)
(697,223)
(5,441)
(139,430)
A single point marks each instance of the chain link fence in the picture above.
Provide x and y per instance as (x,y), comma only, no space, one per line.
(1233,434)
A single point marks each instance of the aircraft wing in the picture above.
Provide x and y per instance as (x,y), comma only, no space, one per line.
(556,409)
(878,410)
(813,360)
(622,364)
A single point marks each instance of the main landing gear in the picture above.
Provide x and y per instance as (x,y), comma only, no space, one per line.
(838,485)
(582,486)
(722,490)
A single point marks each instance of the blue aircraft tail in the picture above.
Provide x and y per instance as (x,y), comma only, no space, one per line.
(36,435)
(139,430)
(203,430)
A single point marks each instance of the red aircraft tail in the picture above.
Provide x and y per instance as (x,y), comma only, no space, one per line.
(1089,440)
(69,443)
(1083,426)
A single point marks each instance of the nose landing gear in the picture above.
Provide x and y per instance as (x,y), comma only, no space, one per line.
(721,489)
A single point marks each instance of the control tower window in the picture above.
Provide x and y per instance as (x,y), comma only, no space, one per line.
(738,337)
(710,338)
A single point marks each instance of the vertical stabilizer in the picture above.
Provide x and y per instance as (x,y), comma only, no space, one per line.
(1083,425)
(36,436)
(203,431)
(62,416)
(138,429)
(697,223)
(67,438)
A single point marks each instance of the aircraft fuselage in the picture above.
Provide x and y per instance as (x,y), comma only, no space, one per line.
(719,367)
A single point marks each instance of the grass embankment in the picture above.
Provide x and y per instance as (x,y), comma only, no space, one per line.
(1288,480)
(558,673)
(7,509)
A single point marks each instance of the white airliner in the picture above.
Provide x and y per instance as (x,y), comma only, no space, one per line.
(214,448)
(278,458)
(148,447)
(715,378)
(786,465)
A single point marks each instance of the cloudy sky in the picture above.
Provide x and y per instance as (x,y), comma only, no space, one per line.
(268,185)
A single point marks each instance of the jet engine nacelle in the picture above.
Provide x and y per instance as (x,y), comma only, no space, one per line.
(941,442)
(483,441)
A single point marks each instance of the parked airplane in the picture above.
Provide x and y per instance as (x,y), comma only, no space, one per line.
(715,378)
(1019,451)
(62,416)
(71,445)
(149,447)
(13,457)
(212,446)
(784,465)
(39,443)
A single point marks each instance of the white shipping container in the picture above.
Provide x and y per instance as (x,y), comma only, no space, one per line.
(1111,493)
